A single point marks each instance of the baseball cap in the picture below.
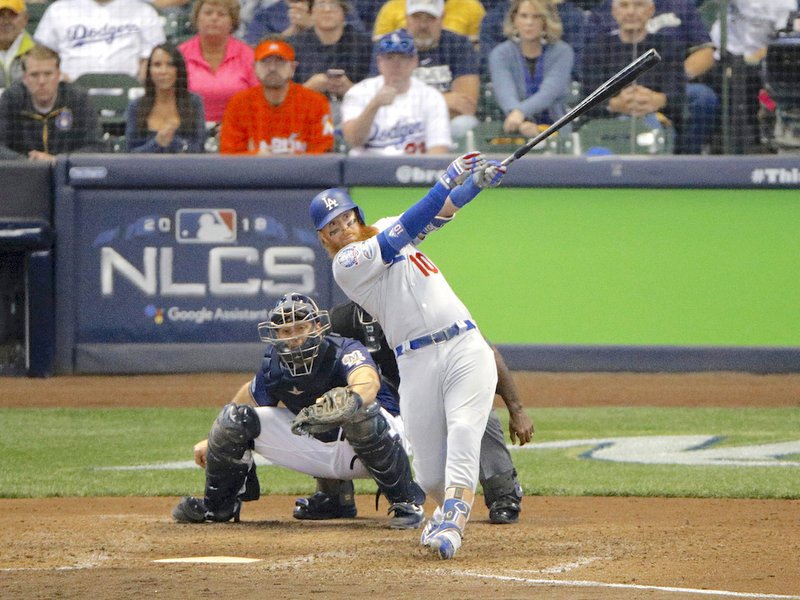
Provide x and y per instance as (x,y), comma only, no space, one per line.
(18,6)
(397,42)
(272,48)
(435,8)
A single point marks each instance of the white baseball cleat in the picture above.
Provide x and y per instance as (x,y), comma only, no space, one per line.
(444,539)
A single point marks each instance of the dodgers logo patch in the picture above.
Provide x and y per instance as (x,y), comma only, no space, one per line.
(348,257)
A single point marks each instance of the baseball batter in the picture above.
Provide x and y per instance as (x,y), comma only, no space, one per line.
(497,475)
(447,370)
(305,367)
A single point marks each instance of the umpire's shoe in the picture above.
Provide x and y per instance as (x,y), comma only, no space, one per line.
(193,510)
(322,506)
(406,515)
(505,510)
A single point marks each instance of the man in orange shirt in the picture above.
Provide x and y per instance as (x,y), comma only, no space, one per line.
(278,117)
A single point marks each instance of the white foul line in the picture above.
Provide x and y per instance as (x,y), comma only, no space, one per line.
(630,586)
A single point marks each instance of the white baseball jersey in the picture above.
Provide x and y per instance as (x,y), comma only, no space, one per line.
(100,38)
(416,120)
(752,24)
(446,389)
(409,298)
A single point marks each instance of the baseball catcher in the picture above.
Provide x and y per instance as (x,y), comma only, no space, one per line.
(313,407)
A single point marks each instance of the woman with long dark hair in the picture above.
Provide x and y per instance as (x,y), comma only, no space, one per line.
(168,118)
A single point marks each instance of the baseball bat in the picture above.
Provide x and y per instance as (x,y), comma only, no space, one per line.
(608,89)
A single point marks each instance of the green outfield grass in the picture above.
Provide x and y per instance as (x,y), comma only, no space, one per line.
(67,452)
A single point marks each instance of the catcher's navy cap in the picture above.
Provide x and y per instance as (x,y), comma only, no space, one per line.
(331,203)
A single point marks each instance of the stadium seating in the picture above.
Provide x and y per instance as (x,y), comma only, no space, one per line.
(35,11)
(625,136)
(111,93)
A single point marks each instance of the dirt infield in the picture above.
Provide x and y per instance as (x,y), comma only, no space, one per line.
(563,548)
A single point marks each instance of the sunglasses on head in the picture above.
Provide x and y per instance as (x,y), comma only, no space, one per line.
(395,43)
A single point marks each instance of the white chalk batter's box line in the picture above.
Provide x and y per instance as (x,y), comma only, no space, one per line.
(620,586)
(534,582)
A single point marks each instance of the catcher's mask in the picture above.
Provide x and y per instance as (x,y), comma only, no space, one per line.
(331,203)
(296,328)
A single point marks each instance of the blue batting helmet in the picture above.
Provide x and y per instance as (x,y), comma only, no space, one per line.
(331,203)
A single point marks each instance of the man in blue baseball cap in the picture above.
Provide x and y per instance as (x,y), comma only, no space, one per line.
(394,114)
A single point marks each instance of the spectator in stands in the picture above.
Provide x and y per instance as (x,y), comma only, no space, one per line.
(101,36)
(282,18)
(531,71)
(461,16)
(680,20)
(367,11)
(659,90)
(288,18)
(751,25)
(168,118)
(42,116)
(395,113)
(247,9)
(176,16)
(447,61)
(573,24)
(14,40)
(278,117)
(332,55)
(218,64)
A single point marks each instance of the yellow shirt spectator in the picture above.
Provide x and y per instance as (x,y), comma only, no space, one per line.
(461,16)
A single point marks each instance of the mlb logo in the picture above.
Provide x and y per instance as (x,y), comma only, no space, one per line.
(205,225)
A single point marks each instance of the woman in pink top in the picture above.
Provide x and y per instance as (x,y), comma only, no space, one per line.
(218,64)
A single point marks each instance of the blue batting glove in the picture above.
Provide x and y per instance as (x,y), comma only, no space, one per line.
(461,168)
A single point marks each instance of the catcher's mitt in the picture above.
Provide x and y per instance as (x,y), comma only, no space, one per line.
(332,409)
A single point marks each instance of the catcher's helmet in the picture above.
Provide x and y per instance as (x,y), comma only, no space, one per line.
(297,351)
(328,205)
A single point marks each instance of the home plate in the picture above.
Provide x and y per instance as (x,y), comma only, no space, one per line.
(227,560)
